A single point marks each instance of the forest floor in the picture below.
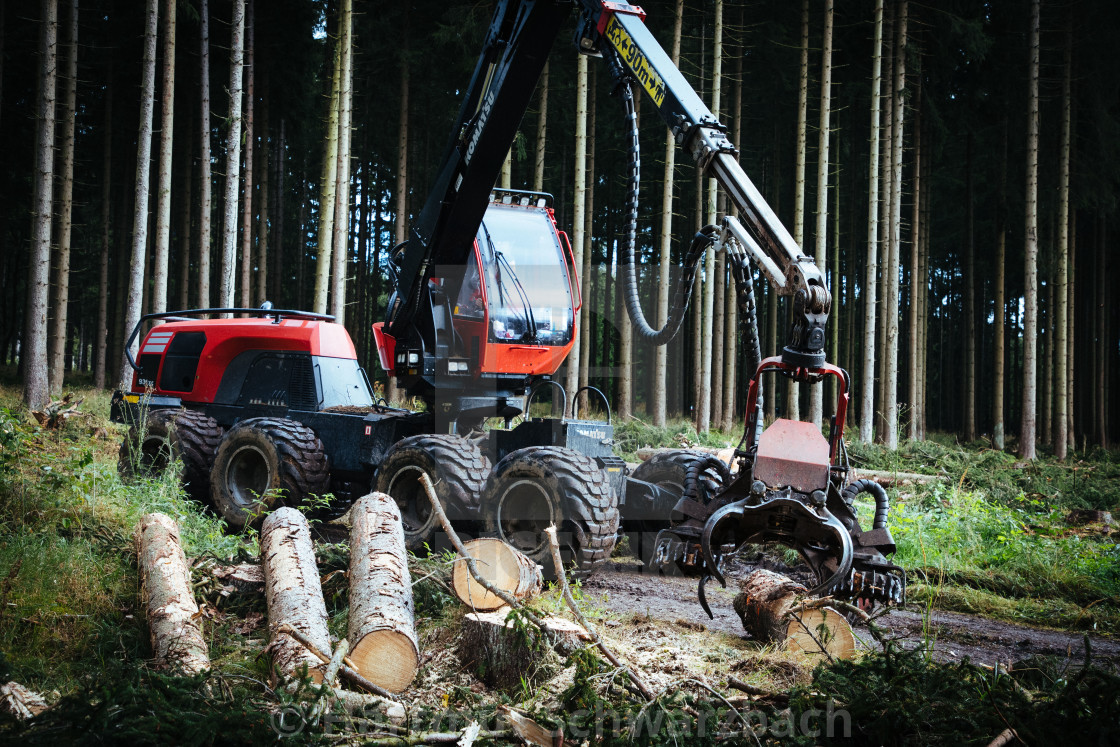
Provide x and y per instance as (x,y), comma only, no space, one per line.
(998,576)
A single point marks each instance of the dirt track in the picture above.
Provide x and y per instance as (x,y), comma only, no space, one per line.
(954,635)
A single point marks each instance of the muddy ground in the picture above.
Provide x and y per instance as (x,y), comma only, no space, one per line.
(625,590)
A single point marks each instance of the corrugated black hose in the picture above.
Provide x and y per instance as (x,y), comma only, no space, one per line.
(700,243)
(882,503)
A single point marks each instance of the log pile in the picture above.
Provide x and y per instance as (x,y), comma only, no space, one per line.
(382,625)
(177,640)
(502,566)
(769,606)
(293,594)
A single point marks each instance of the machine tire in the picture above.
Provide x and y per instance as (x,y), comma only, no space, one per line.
(262,462)
(457,470)
(669,469)
(552,485)
(188,435)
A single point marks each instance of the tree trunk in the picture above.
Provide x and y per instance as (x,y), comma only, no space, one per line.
(816,391)
(401,226)
(61,264)
(588,226)
(264,200)
(1000,302)
(204,230)
(143,163)
(1027,433)
(504,655)
(731,308)
(327,190)
(293,594)
(173,617)
(340,253)
(918,283)
(99,374)
(233,154)
(185,204)
(33,352)
(162,248)
(571,380)
(766,605)
(1062,359)
(246,297)
(890,404)
(969,300)
(502,566)
(542,131)
(665,258)
(705,404)
(382,624)
(793,388)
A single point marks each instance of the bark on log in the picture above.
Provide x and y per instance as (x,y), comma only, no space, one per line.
(293,594)
(382,625)
(502,654)
(890,478)
(502,566)
(767,605)
(177,640)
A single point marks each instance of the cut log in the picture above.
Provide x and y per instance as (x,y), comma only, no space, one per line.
(177,640)
(382,625)
(293,594)
(502,654)
(767,605)
(891,478)
(1081,516)
(502,566)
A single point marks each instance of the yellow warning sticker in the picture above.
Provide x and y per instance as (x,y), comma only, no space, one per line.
(636,60)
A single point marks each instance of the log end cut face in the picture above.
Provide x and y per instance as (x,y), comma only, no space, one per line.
(501,566)
(794,454)
(388,658)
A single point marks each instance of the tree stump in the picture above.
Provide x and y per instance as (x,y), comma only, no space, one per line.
(177,640)
(499,564)
(768,607)
(382,625)
(293,594)
(503,654)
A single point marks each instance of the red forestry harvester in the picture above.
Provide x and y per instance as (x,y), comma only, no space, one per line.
(481,317)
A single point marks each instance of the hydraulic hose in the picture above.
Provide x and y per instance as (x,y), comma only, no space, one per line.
(882,503)
(700,242)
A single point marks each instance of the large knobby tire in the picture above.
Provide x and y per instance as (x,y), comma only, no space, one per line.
(669,470)
(186,435)
(535,487)
(457,470)
(263,463)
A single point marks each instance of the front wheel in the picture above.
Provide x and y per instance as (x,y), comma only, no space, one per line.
(533,488)
(264,462)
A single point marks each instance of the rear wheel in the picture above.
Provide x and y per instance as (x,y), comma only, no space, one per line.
(693,474)
(187,435)
(535,487)
(265,462)
(457,470)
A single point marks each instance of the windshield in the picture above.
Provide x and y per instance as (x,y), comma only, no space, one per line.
(526,280)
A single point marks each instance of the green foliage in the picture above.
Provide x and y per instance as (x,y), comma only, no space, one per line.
(128,704)
(896,697)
